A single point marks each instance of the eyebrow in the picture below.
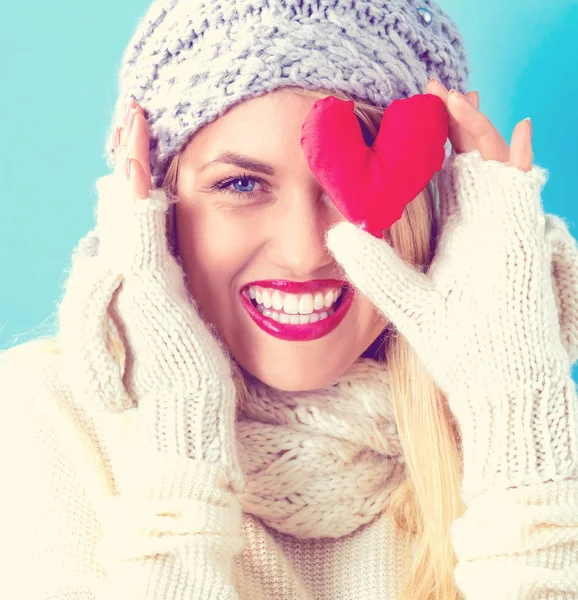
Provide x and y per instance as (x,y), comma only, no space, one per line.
(244,162)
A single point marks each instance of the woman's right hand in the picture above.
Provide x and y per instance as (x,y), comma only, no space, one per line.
(176,371)
(131,151)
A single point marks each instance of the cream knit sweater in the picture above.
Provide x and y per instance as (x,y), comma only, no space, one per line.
(177,530)
(51,527)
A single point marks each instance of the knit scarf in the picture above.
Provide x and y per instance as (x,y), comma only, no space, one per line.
(320,463)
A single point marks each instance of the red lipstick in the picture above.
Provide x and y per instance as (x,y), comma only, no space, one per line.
(307,331)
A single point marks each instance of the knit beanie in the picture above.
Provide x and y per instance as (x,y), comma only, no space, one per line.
(191,60)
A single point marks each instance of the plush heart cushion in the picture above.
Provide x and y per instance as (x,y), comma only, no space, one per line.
(371,185)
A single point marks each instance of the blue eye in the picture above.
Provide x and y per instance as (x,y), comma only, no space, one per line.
(244,180)
(240,185)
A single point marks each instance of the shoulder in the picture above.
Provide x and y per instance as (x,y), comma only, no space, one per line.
(44,430)
(28,356)
(29,366)
(53,523)
(33,393)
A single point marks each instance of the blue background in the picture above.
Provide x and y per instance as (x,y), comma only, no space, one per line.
(59,80)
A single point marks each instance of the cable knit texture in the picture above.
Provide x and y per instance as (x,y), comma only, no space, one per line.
(190,60)
(109,499)
(301,451)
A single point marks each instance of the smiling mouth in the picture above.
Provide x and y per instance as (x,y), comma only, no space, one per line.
(297,317)
(280,315)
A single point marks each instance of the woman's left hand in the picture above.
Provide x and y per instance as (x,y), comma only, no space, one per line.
(470,129)
(484,318)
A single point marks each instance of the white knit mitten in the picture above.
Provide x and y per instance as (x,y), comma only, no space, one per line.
(484,320)
(176,372)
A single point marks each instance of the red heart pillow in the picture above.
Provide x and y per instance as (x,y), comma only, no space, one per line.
(371,185)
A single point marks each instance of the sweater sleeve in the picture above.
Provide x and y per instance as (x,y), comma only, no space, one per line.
(66,532)
(520,540)
(519,543)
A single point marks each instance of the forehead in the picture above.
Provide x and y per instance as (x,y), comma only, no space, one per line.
(266,126)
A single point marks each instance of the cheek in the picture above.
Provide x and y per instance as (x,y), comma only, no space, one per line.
(213,246)
(370,321)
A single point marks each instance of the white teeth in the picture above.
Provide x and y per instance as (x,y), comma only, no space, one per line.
(267,300)
(298,305)
(291,304)
(296,319)
(306,304)
(277,300)
(318,301)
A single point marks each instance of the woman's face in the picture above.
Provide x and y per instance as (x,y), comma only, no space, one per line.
(251,240)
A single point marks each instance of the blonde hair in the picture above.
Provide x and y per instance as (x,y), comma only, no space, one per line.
(423,506)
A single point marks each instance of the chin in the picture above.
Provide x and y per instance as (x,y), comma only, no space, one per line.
(299,375)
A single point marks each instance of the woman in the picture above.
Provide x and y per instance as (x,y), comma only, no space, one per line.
(255,395)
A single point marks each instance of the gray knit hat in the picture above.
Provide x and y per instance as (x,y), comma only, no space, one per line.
(191,60)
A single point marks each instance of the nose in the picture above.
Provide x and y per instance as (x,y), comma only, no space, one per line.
(297,236)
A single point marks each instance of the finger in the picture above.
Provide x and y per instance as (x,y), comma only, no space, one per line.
(138,150)
(138,180)
(123,154)
(521,154)
(116,138)
(459,138)
(487,139)
(120,155)
(142,143)
(131,115)
(129,106)
(463,141)
(122,136)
